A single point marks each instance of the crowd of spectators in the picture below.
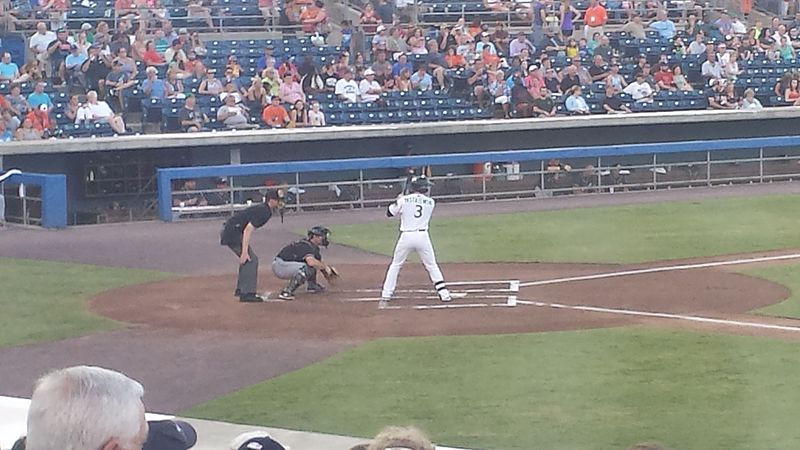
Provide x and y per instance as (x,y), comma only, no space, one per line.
(535,73)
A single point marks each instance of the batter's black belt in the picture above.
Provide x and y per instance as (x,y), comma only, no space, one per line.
(414,231)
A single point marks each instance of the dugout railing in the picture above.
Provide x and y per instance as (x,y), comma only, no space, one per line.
(369,182)
(35,199)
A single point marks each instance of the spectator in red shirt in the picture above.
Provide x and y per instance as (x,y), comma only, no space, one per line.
(665,79)
(151,57)
(275,115)
(40,118)
(594,18)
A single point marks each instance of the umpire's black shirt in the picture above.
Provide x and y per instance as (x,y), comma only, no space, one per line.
(257,215)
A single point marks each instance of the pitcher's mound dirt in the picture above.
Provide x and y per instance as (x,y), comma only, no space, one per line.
(208,303)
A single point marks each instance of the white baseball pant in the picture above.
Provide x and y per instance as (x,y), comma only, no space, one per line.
(420,242)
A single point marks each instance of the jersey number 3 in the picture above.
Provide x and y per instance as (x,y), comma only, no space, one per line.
(418,212)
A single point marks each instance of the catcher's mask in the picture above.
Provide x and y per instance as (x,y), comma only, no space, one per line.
(421,184)
(322,232)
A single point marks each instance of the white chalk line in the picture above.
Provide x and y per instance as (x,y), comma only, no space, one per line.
(427,297)
(631,312)
(446,306)
(425,291)
(624,273)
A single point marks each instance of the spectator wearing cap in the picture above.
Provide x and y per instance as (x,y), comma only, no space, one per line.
(40,118)
(255,440)
(380,40)
(640,90)
(153,87)
(96,68)
(117,83)
(290,90)
(534,80)
(171,434)
(369,89)
(72,67)
(485,46)
(175,54)
(39,97)
(520,43)
(58,51)
(192,119)
(612,104)
(9,71)
(86,408)
(595,18)
(274,115)
(234,116)
(662,24)
(347,88)
(575,103)
(421,80)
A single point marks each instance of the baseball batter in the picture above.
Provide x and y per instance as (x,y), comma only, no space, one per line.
(415,211)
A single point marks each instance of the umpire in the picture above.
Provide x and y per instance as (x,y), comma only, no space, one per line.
(236,235)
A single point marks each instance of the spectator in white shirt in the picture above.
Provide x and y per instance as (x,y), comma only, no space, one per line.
(316,118)
(639,90)
(517,45)
(712,69)
(40,41)
(698,45)
(99,112)
(369,89)
(347,88)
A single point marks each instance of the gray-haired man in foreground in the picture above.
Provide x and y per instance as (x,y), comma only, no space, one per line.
(81,408)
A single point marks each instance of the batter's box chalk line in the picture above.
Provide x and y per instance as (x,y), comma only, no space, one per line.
(485,297)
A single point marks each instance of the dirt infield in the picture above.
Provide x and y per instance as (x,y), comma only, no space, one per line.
(349,310)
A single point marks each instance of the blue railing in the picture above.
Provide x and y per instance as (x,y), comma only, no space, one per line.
(167,175)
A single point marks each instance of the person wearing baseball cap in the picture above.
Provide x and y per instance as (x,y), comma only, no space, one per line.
(170,435)
(255,440)
(369,89)
(236,235)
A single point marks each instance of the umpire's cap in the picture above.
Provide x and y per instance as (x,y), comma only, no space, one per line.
(421,184)
(322,232)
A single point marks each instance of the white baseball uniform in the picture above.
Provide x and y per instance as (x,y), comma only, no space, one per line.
(415,211)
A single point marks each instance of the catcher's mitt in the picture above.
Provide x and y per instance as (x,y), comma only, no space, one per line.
(331,274)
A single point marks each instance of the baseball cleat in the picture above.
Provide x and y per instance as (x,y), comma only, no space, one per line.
(286,295)
(446,298)
(251,298)
(383,303)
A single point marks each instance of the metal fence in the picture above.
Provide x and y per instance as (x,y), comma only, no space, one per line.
(494,181)
(23,204)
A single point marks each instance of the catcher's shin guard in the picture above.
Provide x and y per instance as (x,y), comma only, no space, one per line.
(299,278)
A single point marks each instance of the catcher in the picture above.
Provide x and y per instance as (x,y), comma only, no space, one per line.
(299,262)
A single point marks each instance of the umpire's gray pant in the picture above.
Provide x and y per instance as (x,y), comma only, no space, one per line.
(248,272)
(286,270)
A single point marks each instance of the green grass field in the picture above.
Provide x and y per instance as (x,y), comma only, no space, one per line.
(600,389)
(624,234)
(46,301)
(579,390)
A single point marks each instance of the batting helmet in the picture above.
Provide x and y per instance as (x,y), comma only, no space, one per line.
(322,232)
(421,184)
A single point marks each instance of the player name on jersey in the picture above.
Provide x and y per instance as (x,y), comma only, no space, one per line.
(415,211)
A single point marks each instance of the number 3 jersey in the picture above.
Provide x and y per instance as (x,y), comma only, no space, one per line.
(415,211)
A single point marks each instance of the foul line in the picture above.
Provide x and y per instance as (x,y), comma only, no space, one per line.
(630,312)
(624,273)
